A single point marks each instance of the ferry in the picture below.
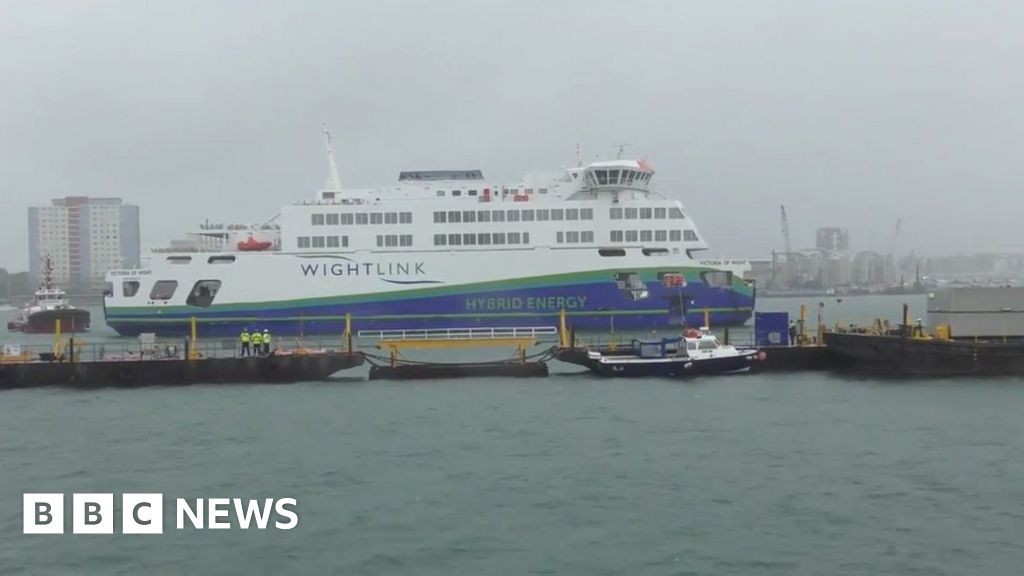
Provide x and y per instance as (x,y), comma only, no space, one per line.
(443,249)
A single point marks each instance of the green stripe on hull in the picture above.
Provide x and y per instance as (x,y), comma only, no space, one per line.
(658,312)
(548,281)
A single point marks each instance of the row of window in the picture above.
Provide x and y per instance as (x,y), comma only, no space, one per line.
(574,237)
(361,218)
(496,191)
(619,177)
(393,240)
(482,239)
(202,294)
(619,213)
(323,241)
(527,215)
(653,236)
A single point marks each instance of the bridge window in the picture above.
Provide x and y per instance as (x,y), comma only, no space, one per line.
(572,214)
(440,240)
(440,192)
(587,236)
(689,235)
(660,235)
(602,177)
(469,216)
(362,218)
(129,288)
(526,237)
(471,192)
(559,237)
(615,214)
(319,242)
(318,219)
(543,190)
(203,293)
(498,216)
(512,216)
(376,218)
(646,236)
(391,240)
(543,215)
(469,239)
(483,238)
(454,239)
(676,214)
(572,237)
(659,213)
(527,215)
(675,236)
(613,177)
(163,290)
(303,241)
(333,220)
(646,213)
(456,192)
(616,236)
(454,217)
(405,240)
(483,215)
(587,214)
(440,218)
(346,219)
(632,236)
(514,237)
(405,217)
(556,213)
(498,238)
(631,213)
(391,217)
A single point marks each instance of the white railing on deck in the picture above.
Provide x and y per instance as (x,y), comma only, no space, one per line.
(459,333)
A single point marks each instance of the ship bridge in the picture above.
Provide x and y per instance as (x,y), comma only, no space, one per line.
(616,175)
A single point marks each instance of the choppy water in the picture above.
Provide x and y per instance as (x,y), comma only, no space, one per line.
(762,474)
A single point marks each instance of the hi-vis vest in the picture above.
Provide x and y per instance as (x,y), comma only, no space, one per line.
(244,337)
(255,337)
(266,337)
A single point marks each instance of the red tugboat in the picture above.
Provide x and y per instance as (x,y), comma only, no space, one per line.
(49,305)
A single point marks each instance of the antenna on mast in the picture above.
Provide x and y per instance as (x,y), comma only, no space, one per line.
(622,150)
(333,182)
(579,163)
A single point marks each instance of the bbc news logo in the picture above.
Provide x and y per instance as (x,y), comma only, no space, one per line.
(144,513)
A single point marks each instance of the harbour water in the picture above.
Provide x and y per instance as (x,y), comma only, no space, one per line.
(758,474)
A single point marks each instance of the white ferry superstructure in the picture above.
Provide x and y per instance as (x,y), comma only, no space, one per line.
(443,248)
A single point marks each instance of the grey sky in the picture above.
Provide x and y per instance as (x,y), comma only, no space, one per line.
(852,113)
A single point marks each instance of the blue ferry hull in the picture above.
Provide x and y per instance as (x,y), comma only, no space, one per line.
(600,307)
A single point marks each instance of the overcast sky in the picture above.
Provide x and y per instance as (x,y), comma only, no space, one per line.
(851,113)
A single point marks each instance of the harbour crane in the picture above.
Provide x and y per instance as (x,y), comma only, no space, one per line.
(895,237)
(790,270)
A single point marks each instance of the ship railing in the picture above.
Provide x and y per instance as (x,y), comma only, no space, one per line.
(459,333)
(87,350)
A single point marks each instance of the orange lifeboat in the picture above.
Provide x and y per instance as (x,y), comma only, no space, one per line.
(251,244)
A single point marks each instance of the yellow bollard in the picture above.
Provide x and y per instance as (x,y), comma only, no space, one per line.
(348,332)
(707,318)
(193,353)
(563,332)
(58,344)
